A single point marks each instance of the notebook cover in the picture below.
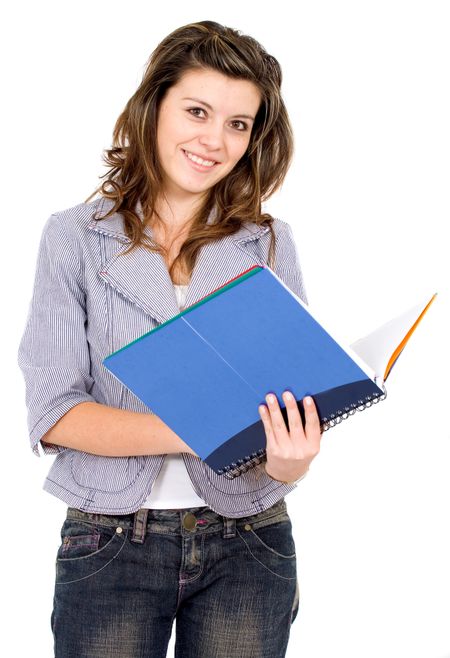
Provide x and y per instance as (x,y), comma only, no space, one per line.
(205,371)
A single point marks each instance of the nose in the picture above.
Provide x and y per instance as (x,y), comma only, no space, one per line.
(211,136)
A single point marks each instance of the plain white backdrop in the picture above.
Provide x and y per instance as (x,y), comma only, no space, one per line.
(367,88)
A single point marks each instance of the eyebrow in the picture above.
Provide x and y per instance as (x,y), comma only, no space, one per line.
(199,100)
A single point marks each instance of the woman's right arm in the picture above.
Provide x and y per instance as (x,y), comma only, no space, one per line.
(102,430)
(55,360)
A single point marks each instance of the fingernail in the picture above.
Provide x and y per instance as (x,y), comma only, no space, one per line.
(308,401)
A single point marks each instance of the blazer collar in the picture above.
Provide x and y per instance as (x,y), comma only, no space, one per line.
(143,278)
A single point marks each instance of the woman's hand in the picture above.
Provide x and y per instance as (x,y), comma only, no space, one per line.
(290,452)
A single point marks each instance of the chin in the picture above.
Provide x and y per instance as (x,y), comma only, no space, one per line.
(196,189)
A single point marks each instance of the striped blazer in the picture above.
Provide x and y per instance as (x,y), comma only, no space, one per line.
(89,300)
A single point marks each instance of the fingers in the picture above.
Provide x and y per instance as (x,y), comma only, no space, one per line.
(312,422)
(276,429)
(290,450)
(294,417)
(273,420)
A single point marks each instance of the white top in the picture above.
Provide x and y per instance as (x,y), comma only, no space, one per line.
(173,488)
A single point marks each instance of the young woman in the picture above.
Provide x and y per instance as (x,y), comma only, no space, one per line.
(151,533)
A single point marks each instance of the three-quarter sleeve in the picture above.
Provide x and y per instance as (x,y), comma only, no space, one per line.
(53,351)
(287,263)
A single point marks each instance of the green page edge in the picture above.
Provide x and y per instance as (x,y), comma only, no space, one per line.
(232,283)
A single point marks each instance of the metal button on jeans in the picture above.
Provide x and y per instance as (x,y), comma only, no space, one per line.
(189,521)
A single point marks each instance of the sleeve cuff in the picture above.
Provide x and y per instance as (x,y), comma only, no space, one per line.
(47,421)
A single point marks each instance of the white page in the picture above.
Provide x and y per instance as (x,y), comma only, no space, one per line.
(377,347)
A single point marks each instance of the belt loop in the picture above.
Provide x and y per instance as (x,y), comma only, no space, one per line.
(140,525)
(229,527)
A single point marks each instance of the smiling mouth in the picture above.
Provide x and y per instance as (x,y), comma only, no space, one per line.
(199,162)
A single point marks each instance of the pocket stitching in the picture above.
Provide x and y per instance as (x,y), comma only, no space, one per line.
(288,557)
(261,563)
(77,466)
(68,582)
(85,557)
(70,541)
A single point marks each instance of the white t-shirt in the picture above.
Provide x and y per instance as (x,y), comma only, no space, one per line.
(173,488)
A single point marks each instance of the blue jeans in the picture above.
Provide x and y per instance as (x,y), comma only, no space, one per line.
(231,584)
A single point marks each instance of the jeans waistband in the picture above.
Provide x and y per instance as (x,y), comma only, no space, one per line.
(179,521)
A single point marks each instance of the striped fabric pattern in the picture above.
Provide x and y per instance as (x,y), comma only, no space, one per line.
(89,300)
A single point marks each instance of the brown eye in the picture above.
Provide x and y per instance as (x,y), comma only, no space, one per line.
(193,109)
(245,126)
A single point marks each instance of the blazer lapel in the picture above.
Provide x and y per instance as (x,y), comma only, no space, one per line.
(143,278)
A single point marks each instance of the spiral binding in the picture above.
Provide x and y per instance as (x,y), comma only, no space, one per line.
(242,465)
(360,405)
(249,461)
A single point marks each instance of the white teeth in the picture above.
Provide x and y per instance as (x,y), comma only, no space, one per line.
(205,163)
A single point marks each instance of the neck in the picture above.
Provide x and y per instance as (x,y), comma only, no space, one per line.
(176,212)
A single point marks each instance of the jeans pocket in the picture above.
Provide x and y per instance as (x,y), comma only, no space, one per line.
(86,549)
(77,542)
(276,537)
(271,543)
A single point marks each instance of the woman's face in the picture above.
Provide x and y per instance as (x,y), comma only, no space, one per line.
(208,115)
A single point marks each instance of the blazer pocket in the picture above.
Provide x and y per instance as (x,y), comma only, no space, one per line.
(107,474)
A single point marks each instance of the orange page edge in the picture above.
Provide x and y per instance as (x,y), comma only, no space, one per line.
(400,347)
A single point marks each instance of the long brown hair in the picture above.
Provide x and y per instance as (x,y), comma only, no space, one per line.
(135,175)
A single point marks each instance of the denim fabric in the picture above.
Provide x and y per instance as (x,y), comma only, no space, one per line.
(121,581)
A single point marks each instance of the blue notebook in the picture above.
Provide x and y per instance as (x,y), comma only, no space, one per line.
(205,371)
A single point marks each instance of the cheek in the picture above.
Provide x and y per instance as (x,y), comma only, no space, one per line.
(169,134)
(239,149)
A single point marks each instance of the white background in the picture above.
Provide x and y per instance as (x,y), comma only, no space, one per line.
(367,89)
